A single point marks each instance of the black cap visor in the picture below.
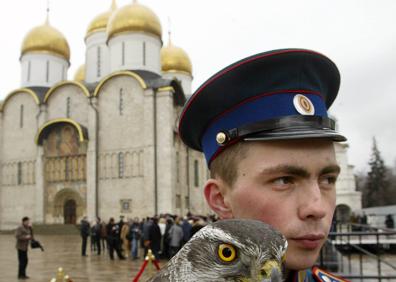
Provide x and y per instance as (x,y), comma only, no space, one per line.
(290,127)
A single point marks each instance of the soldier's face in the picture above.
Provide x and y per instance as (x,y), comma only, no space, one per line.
(290,185)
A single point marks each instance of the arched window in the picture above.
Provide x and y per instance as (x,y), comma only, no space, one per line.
(121,165)
(29,70)
(123,54)
(98,62)
(144,53)
(121,101)
(21,116)
(19,173)
(47,71)
(68,101)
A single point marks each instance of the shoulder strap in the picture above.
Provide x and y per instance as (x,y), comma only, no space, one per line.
(323,276)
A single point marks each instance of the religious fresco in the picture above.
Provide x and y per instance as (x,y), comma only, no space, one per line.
(65,155)
(63,140)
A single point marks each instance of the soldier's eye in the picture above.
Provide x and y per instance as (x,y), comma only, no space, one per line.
(227,252)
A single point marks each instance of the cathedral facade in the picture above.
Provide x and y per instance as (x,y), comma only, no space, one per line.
(104,143)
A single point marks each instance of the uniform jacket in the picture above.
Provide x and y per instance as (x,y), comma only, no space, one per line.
(315,274)
(21,232)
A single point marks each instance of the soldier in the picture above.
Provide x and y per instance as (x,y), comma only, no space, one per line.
(23,235)
(262,124)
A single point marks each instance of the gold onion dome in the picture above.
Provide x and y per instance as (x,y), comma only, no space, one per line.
(175,59)
(99,23)
(80,74)
(45,38)
(133,17)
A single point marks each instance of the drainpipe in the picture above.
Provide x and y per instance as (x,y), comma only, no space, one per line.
(97,156)
(155,151)
(188,177)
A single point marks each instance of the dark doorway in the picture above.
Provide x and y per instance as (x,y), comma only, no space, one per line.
(343,213)
(69,212)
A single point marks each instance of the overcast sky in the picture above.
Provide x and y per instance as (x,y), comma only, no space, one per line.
(359,36)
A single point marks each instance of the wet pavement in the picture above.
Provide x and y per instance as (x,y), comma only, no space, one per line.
(65,251)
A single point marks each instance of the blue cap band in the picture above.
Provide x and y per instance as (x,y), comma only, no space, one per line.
(260,108)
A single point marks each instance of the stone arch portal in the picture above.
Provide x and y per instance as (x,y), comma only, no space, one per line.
(68,206)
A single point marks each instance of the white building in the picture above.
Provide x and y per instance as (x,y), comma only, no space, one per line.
(105,143)
(348,199)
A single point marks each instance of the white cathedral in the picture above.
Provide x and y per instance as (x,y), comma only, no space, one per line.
(106,142)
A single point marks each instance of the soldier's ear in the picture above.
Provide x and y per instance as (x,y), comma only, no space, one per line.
(216,196)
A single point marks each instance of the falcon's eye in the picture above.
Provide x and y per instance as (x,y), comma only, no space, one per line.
(227,252)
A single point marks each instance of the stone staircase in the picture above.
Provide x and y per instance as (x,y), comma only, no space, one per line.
(56,229)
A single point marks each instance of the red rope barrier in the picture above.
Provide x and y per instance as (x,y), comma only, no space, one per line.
(140,271)
(156,264)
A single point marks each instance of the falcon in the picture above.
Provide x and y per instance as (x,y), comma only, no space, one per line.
(239,250)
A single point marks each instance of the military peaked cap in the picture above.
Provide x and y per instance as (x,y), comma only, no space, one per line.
(276,95)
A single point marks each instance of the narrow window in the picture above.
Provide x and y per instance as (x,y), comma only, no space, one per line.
(47,71)
(187,202)
(63,73)
(67,168)
(144,53)
(121,101)
(120,165)
(123,54)
(196,174)
(29,70)
(98,62)
(19,174)
(68,107)
(21,117)
(178,201)
(177,167)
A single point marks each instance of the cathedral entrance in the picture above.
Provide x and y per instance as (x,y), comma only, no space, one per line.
(64,144)
(69,212)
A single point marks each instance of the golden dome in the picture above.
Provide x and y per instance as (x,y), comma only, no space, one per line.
(45,38)
(175,59)
(133,17)
(80,74)
(99,23)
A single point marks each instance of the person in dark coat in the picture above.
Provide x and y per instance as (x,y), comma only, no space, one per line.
(134,236)
(84,232)
(153,237)
(23,235)
(166,250)
(389,222)
(145,226)
(186,226)
(113,239)
(96,235)
(197,225)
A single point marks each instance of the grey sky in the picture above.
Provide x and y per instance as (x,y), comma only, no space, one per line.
(360,36)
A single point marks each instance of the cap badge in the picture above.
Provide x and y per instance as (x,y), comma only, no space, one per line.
(303,105)
(221,138)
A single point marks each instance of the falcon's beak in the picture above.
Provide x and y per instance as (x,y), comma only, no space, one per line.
(271,272)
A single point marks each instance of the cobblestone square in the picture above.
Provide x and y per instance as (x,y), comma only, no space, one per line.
(65,251)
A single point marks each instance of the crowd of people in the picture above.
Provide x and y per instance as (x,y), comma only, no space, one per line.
(164,235)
